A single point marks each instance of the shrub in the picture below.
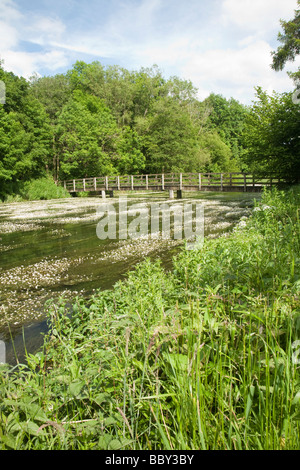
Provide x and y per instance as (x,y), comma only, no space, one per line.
(43,189)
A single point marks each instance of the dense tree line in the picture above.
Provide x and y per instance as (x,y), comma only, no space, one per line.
(96,120)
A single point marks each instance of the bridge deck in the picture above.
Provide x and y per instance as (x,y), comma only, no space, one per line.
(172,182)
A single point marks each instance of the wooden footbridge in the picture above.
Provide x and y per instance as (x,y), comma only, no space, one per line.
(169,182)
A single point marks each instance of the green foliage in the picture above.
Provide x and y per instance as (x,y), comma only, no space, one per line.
(16,91)
(227,118)
(25,135)
(169,138)
(290,44)
(97,120)
(43,189)
(271,136)
(259,253)
(200,357)
(24,144)
(86,138)
(130,158)
(220,155)
(147,120)
(52,92)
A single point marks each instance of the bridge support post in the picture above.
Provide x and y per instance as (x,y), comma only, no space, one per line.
(179,193)
(171,193)
(103,194)
(111,193)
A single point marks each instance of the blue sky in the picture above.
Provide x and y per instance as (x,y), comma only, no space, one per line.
(222,46)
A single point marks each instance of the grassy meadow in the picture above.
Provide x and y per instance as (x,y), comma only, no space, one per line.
(205,356)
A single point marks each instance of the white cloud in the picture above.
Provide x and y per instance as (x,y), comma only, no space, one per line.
(26,63)
(222,46)
(127,30)
(9,37)
(9,31)
(235,72)
(132,21)
(9,11)
(42,30)
(16,27)
(258,15)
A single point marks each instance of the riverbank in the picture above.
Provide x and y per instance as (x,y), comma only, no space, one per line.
(50,249)
(204,356)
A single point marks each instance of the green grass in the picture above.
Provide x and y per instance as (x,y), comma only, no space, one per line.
(43,188)
(203,357)
(39,189)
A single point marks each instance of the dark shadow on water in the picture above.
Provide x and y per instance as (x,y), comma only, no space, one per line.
(31,339)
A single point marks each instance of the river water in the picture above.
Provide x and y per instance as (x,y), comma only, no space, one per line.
(50,249)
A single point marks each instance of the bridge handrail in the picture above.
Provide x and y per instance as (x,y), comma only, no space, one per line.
(165,180)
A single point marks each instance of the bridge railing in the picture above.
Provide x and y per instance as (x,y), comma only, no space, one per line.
(168,180)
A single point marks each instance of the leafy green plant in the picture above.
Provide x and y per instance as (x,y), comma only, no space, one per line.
(43,188)
(198,358)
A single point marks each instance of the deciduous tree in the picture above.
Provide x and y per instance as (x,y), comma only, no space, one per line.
(272,136)
(290,44)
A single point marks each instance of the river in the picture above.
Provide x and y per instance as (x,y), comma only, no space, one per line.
(50,249)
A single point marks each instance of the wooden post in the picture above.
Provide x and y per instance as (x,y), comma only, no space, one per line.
(221,181)
(118,182)
(74,186)
(132,183)
(163,182)
(95,184)
(199,178)
(103,194)
(171,193)
(180,181)
(83,184)
(147,182)
(65,184)
(106,183)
